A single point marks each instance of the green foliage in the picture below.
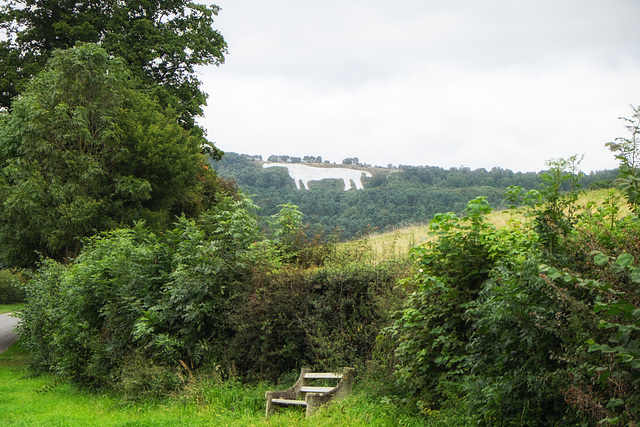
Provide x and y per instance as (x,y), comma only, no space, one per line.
(600,296)
(605,381)
(514,369)
(294,241)
(484,334)
(450,269)
(323,317)
(11,287)
(133,297)
(607,214)
(555,214)
(407,195)
(286,227)
(83,151)
(622,353)
(480,327)
(210,292)
(628,153)
(553,205)
(161,42)
(604,183)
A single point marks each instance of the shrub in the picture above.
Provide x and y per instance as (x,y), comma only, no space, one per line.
(11,287)
(208,293)
(480,326)
(325,317)
(132,293)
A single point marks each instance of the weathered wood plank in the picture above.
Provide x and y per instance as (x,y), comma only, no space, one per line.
(309,389)
(289,402)
(322,376)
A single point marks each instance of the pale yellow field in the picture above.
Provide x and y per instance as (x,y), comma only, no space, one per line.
(398,242)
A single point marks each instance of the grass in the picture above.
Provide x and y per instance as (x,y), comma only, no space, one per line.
(42,401)
(9,308)
(398,242)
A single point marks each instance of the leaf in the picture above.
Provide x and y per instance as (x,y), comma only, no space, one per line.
(619,307)
(624,260)
(599,306)
(553,274)
(601,347)
(614,402)
(604,375)
(601,259)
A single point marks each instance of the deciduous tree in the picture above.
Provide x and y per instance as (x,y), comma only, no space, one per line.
(83,151)
(161,41)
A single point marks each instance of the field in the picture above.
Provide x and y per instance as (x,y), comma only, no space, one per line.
(42,401)
(398,242)
(8,308)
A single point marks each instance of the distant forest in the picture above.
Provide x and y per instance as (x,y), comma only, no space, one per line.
(392,197)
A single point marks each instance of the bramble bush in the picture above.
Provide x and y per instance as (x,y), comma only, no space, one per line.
(479,326)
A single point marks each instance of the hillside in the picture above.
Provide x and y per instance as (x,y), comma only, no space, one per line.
(391,197)
(398,241)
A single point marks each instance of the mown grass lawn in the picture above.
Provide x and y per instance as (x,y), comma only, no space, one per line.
(8,308)
(27,400)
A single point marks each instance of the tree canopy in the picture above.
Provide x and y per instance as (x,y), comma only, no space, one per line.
(161,41)
(83,151)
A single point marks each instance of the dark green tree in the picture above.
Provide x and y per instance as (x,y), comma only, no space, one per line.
(83,151)
(161,41)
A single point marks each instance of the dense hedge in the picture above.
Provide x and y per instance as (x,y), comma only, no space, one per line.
(325,318)
(210,294)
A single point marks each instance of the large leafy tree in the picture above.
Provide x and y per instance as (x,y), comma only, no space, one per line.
(160,40)
(83,151)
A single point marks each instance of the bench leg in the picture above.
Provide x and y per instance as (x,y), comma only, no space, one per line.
(270,409)
(313,402)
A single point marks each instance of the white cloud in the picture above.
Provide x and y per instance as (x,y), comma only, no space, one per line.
(479,84)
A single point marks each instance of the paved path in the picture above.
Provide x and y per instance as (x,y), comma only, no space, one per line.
(7,335)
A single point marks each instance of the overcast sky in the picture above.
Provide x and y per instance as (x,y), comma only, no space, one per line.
(506,83)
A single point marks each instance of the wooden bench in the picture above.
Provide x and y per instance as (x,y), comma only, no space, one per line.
(303,394)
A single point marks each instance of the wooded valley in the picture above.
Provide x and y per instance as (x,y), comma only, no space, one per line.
(392,197)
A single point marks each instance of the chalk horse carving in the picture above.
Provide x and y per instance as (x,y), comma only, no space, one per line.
(303,174)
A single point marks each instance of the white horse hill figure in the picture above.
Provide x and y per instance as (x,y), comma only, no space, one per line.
(303,173)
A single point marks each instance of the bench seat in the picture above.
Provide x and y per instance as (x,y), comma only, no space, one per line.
(303,394)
